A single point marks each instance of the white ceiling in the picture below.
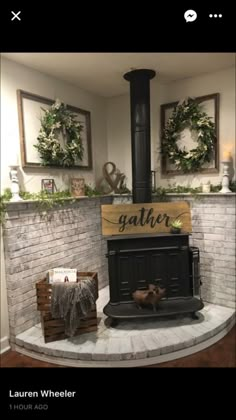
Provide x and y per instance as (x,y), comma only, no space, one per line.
(102,73)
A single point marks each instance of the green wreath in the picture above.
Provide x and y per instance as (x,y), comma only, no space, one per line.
(189,115)
(58,119)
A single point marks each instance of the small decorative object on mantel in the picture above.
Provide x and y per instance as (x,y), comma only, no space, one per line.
(14,180)
(113,180)
(225,180)
(206,187)
(48,185)
(77,187)
(175,226)
(153,181)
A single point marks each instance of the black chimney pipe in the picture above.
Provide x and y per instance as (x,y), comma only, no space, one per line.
(140,133)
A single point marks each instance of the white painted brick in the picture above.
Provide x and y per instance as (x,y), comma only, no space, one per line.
(202,229)
(210,244)
(86,350)
(198,236)
(167,344)
(13,301)
(225,251)
(218,230)
(230,224)
(126,349)
(204,223)
(230,239)
(231,245)
(224,257)
(214,237)
(152,346)
(216,210)
(230,210)
(100,350)
(114,349)
(139,347)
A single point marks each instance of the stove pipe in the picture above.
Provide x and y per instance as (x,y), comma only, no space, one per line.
(140,133)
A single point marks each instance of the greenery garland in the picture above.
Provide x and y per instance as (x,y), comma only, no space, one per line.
(48,201)
(58,119)
(189,115)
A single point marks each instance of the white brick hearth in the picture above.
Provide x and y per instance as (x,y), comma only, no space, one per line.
(131,343)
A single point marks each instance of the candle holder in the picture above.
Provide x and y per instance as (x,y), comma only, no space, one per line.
(153,175)
(14,183)
(225,180)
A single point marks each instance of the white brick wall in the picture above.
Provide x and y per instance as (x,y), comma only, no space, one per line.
(34,243)
(213,224)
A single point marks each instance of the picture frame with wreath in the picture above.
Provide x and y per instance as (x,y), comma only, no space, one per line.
(190,136)
(53,133)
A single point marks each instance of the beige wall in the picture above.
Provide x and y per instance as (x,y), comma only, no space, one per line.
(118,134)
(4,313)
(118,124)
(118,129)
(15,76)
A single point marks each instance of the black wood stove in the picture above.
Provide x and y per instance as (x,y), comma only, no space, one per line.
(165,260)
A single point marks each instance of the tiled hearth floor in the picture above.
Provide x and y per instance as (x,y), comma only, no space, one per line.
(131,343)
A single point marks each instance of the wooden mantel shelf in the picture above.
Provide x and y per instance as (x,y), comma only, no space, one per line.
(109,197)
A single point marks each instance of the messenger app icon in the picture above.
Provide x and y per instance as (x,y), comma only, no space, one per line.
(190,15)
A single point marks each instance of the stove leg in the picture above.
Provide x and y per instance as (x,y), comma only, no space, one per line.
(114,322)
(194,315)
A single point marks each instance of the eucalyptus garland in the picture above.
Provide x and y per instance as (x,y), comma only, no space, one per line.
(58,119)
(189,114)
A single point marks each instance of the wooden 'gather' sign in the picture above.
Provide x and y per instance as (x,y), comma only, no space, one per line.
(125,219)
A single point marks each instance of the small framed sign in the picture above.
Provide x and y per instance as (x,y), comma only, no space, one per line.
(77,187)
(48,185)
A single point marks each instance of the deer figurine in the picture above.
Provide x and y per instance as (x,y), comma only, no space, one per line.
(150,296)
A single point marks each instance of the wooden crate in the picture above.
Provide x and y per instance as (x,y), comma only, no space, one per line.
(54,328)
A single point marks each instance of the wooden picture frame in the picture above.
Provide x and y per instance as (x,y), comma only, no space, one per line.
(212,101)
(77,187)
(48,185)
(29,113)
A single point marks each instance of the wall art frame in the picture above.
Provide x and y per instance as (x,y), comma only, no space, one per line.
(29,112)
(214,101)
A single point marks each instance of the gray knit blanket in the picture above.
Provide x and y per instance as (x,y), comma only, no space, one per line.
(72,302)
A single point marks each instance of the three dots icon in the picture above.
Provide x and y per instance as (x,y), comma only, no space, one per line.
(215,15)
